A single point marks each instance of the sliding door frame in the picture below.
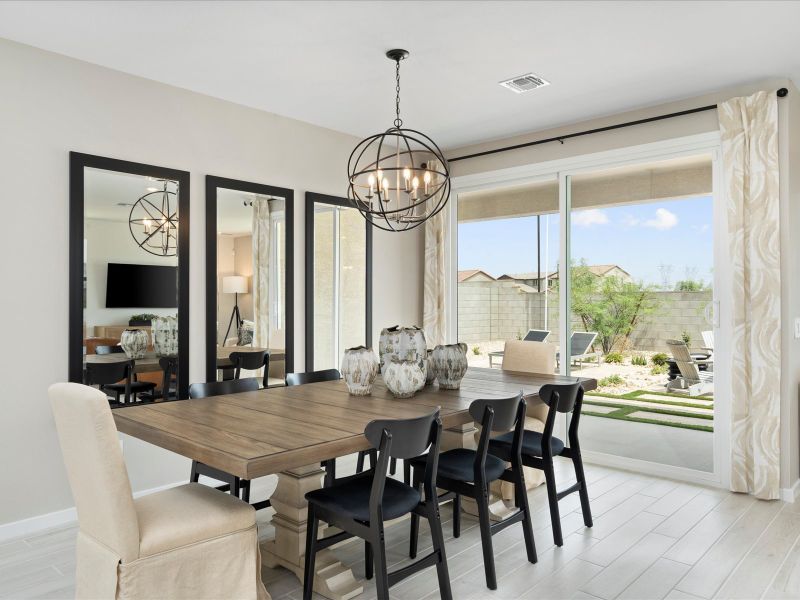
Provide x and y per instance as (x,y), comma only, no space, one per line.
(563,169)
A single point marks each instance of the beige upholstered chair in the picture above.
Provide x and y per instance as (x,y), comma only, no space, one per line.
(190,541)
(529,357)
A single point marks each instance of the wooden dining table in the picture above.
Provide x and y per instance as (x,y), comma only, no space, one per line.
(288,431)
(149,362)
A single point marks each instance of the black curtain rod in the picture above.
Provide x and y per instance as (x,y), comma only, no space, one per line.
(781,93)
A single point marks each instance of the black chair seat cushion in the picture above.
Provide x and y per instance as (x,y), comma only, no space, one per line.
(136,387)
(531,444)
(458,464)
(350,497)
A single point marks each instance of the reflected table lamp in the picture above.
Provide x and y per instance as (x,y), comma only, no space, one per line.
(234,284)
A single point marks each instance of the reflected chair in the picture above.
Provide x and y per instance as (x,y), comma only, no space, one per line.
(538,449)
(169,380)
(251,361)
(359,505)
(317,377)
(137,388)
(189,541)
(466,472)
(111,378)
(232,483)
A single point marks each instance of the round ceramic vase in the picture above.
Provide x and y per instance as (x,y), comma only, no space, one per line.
(359,368)
(430,372)
(450,363)
(134,342)
(165,336)
(403,377)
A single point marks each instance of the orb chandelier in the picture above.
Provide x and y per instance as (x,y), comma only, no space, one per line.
(398,179)
(153,220)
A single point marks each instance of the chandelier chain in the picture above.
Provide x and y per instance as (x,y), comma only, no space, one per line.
(398,122)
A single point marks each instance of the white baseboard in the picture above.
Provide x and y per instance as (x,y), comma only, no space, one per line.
(791,494)
(59,518)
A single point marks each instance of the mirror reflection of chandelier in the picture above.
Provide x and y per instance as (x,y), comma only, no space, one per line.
(153,220)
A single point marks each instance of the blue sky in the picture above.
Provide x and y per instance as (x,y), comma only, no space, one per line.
(639,238)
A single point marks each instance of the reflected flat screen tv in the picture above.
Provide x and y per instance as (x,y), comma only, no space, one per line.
(141,286)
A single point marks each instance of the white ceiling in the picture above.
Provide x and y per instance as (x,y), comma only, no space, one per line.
(323,62)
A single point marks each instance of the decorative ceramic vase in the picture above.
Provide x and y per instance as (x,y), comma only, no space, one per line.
(134,342)
(403,377)
(165,336)
(403,343)
(450,363)
(430,373)
(359,368)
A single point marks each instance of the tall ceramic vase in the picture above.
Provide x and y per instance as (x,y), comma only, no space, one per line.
(403,343)
(134,342)
(450,364)
(359,368)
(165,336)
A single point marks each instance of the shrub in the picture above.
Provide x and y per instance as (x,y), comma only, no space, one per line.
(659,370)
(519,335)
(638,360)
(614,357)
(659,359)
(476,350)
(686,337)
(611,380)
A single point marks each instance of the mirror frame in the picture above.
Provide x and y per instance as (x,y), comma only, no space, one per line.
(78,162)
(213,183)
(311,199)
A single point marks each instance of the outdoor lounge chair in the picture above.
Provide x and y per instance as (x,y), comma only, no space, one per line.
(580,345)
(533,335)
(692,379)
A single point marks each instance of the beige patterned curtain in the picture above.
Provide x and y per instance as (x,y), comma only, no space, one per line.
(749,128)
(434,317)
(261,258)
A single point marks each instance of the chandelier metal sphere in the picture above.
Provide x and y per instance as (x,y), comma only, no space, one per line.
(398,179)
(153,220)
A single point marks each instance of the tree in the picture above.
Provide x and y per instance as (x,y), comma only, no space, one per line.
(610,306)
(690,285)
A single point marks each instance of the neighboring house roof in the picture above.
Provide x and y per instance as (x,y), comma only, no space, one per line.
(470,273)
(521,276)
(599,270)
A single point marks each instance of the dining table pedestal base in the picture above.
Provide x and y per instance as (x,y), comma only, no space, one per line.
(332,579)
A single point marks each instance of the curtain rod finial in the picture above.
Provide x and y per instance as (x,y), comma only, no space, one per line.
(783,92)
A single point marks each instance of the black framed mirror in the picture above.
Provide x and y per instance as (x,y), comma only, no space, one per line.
(338,276)
(129,275)
(249,277)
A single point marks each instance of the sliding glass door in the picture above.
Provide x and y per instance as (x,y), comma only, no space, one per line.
(631,245)
(641,297)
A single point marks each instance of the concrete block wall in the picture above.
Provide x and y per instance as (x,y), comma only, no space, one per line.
(500,310)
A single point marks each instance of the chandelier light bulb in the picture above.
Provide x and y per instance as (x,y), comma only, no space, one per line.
(371,181)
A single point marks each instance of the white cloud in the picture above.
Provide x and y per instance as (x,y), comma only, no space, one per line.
(664,219)
(587,218)
(701,228)
(628,220)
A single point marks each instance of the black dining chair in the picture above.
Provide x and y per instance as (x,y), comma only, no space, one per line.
(317,377)
(538,450)
(251,361)
(359,504)
(237,487)
(467,472)
(107,377)
(137,388)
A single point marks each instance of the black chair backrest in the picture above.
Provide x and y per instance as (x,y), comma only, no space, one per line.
(250,360)
(564,394)
(505,411)
(409,437)
(313,377)
(218,388)
(108,349)
(110,372)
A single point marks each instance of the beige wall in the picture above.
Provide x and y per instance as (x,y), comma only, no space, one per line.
(51,105)
(789,129)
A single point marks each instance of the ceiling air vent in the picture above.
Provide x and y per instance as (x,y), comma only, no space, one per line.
(524,83)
